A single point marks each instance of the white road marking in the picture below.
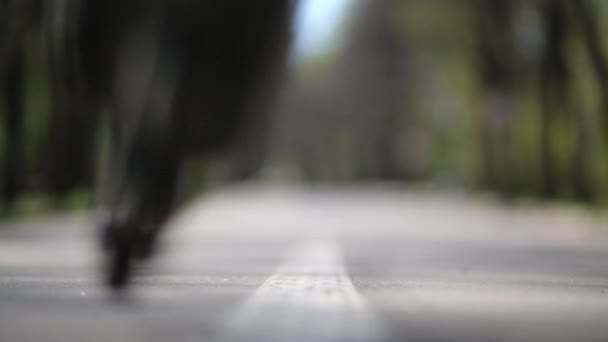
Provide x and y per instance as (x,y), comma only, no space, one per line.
(309,298)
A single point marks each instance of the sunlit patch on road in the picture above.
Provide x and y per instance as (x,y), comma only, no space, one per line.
(310,297)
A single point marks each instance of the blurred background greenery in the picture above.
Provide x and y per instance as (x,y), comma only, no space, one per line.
(504,96)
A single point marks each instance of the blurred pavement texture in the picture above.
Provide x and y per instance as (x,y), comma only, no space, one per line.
(281,263)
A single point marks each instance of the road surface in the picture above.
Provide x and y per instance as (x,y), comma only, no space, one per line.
(275,263)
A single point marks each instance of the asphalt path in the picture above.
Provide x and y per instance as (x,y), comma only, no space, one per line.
(285,263)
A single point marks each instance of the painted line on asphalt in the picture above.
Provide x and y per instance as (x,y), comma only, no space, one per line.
(310,297)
